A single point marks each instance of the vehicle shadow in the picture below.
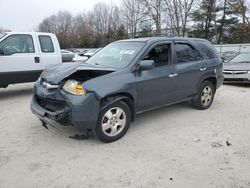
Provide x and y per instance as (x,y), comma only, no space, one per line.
(161,113)
(14,92)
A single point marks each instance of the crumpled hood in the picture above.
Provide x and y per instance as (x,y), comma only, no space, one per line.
(55,74)
(236,66)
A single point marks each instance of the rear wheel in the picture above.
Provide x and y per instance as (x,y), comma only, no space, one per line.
(205,96)
(113,122)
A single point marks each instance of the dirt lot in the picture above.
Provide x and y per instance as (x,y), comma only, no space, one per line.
(177,146)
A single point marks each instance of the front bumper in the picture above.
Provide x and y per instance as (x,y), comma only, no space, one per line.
(236,78)
(58,108)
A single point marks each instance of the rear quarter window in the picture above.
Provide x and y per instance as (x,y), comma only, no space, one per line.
(46,44)
(207,49)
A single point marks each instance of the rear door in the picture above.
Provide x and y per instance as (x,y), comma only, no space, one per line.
(189,64)
(20,61)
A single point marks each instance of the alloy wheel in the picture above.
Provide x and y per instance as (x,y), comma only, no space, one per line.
(113,121)
(206,96)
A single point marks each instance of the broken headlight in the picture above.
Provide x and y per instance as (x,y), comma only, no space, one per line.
(74,87)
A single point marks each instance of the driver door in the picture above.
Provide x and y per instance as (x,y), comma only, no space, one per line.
(156,87)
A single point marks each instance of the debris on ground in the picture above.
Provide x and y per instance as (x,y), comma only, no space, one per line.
(171,179)
(80,137)
(228,143)
(216,144)
(196,140)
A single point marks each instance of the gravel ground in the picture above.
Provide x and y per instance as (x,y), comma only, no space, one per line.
(176,146)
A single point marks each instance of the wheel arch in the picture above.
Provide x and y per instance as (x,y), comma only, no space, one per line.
(212,79)
(123,96)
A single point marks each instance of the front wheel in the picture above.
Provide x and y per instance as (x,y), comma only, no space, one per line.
(113,122)
(205,96)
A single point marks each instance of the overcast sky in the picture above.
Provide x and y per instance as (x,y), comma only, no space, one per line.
(25,15)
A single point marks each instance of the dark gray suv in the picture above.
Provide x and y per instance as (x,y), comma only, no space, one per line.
(126,78)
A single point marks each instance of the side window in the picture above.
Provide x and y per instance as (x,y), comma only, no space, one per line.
(46,44)
(186,53)
(208,50)
(160,54)
(17,44)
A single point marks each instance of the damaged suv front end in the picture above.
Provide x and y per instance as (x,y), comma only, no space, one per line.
(70,95)
(61,99)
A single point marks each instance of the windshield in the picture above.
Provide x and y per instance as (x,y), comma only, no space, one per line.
(241,58)
(2,35)
(117,55)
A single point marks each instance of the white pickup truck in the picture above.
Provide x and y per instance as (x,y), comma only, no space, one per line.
(24,55)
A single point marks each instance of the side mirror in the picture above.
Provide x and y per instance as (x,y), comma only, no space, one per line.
(146,64)
(1,52)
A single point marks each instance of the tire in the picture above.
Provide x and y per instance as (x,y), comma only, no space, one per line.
(3,86)
(205,96)
(113,122)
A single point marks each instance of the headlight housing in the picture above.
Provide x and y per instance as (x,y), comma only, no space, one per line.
(74,87)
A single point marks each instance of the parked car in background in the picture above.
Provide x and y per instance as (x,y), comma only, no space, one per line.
(73,50)
(24,55)
(91,52)
(227,56)
(238,69)
(126,78)
(78,51)
(78,58)
(67,56)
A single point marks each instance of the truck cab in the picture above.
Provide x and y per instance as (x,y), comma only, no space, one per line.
(24,55)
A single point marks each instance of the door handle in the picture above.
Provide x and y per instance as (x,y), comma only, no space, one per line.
(172,75)
(203,69)
(37,59)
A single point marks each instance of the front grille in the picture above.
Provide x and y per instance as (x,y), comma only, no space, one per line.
(235,72)
(51,105)
(48,86)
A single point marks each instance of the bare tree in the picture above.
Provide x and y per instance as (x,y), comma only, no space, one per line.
(186,10)
(153,8)
(242,9)
(178,13)
(82,31)
(100,17)
(132,13)
(61,25)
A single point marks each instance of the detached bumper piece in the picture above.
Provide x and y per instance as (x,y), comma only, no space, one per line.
(55,110)
(46,112)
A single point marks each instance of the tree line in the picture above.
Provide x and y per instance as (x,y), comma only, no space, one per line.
(220,21)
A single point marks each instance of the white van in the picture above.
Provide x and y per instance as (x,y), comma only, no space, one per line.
(24,55)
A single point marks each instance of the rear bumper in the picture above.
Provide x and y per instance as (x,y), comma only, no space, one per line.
(80,112)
